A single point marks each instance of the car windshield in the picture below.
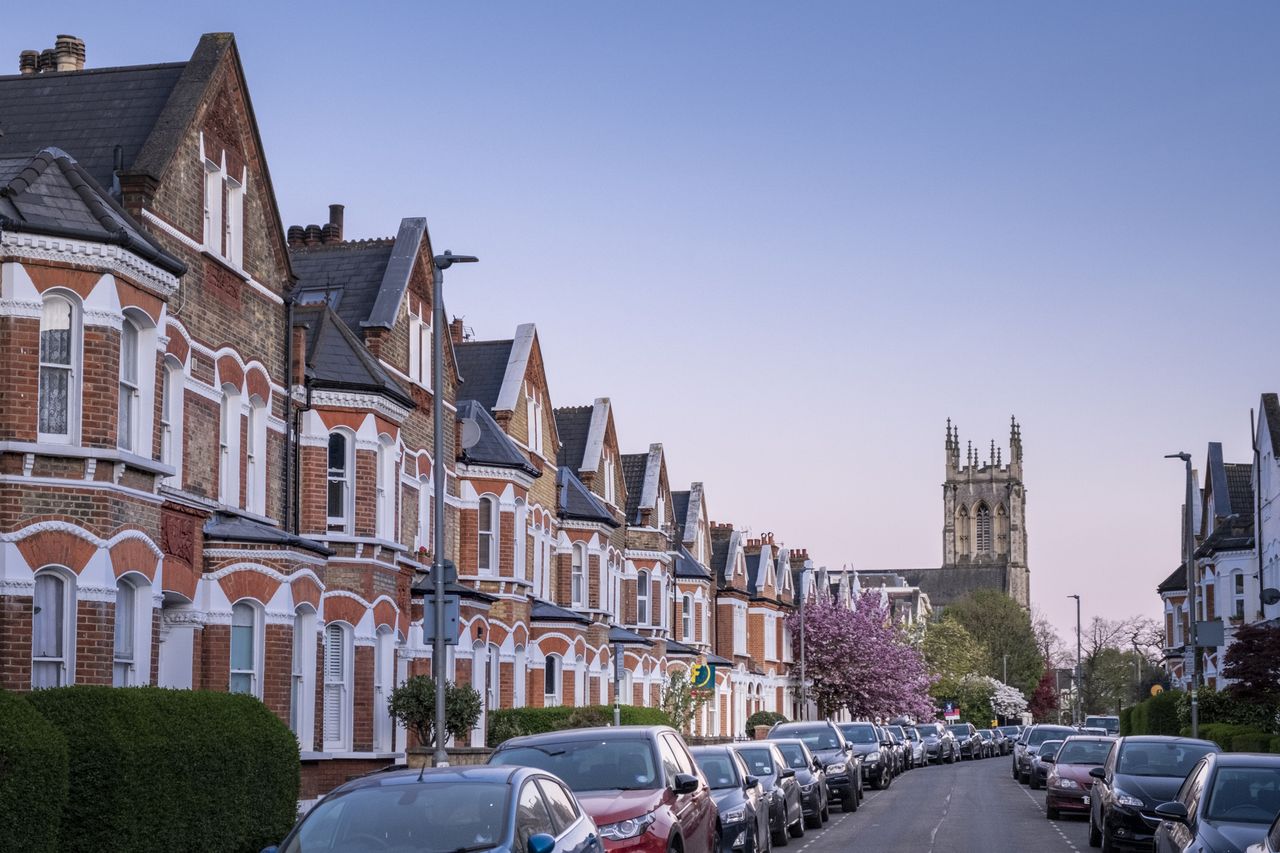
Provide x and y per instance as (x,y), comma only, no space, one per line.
(1009,731)
(927,731)
(1160,759)
(1107,724)
(985,734)
(437,818)
(793,754)
(1049,747)
(860,734)
(1039,736)
(898,731)
(1089,752)
(959,731)
(1245,794)
(759,760)
(817,737)
(719,768)
(617,764)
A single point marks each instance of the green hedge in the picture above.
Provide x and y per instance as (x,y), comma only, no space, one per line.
(763,718)
(1251,742)
(1223,734)
(153,768)
(1126,721)
(513,722)
(33,778)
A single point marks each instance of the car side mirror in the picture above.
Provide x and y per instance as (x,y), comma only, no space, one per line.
(541,843)
(817,765)
(684,784)
(751,782)
(1098,773)
(787,773)
(1174,811)
(1048,759)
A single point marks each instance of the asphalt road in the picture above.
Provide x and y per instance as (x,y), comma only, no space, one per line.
(970,807)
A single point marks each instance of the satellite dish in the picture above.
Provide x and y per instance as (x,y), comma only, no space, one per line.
(470,433)
(1270,595)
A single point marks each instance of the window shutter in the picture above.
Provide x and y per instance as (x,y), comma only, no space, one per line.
(334,683)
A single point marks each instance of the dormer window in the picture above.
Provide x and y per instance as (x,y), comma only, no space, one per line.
(420,347)
(660,512)
(610,475)
(533,409)
(223,210)
(213,227)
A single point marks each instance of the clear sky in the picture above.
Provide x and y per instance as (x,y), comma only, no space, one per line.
(789,240)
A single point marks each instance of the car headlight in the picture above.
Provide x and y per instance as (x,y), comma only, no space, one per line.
(1064,784)
(1125,799)
(808,789)
(838,767)
(625,829)
(734,815)
(871,757)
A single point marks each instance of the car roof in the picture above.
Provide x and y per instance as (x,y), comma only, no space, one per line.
(1244,759)
(708,749)
(807,724)
(1091,739)
(440,776)
(596,732)
(793,741)
(1167,739)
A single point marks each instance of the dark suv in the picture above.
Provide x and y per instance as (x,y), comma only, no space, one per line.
(877,763)
(1024,751)
(967,739)
(939,743)
(842,766)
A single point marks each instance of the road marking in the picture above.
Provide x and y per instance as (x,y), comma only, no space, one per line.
(1065,840)
(946,808)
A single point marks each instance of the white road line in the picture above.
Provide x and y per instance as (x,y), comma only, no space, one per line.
(946,807)
(1056,828)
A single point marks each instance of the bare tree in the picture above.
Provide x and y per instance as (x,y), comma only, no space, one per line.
(1052,647)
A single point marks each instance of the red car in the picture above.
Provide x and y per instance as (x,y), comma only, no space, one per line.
(1068,783)
(638,783)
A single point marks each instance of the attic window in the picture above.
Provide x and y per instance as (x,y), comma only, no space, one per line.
(420,350)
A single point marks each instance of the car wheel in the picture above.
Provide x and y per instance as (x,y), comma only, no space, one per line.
(813,821)
(1108,846)
(1095,837)
(1035,782)
(781,838)
(850,804)
(797,828)
(1051,813)
(826,810)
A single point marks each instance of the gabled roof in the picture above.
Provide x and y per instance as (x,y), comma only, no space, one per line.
(545,611)
(633,468)
(1240,488)
(1176,582)
(689,568)
(576,501)
(945,585)
(1271,413)
(336,358)
(573,423)
(680,509)
(482,366)
(50,193)
(495,447)
(753,571)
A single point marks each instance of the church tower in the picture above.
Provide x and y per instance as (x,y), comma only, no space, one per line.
(984,512)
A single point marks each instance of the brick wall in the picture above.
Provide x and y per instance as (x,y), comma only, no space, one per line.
(15,642)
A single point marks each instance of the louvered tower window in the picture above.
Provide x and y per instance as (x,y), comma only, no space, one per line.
(984,530)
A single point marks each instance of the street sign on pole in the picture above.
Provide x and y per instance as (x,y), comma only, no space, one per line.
(452,611)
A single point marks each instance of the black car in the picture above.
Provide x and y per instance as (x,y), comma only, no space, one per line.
(812,779)
(739,797)
(908,749)
(966,735)
(778,781)
(877,763)
(939,743)
(1227,802)
(1042,763)
(1011,735)
(842,766)
(1140,773)
(989,747)
(1024,751)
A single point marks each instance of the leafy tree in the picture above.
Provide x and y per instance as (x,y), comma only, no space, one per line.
(1044,702)
(1252,663)
(414,705)
(680,701)
(951,652)
(1003,628)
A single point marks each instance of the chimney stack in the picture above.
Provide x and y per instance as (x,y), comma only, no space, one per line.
(28,61)
(335,219)
(331,233)
(457,331)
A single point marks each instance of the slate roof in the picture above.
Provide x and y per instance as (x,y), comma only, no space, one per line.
(495,447)
(688,567)
(1271,408)
(680,508)
(545,611)
(633,471)
(573,423)
(1233,534)
(50,193)
(86,113)
(575,501)
(1176,582)
(1240,488)
(226,527)
(336,358)
(482,366)
(621,635)
(945,585)
(345,275)
(753,570)
(720,548)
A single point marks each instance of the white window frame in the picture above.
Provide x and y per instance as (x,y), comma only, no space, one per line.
(257,635)
(234,227)
(124,661)
(255,466)
(229,447)
(64,662)
(387,484)
(128,429)
(644,595)
(533,413)
(72,369)
(384,678)
(487,539)
(421,349)
(302,691)
(610,474)
(1238,595)
(686,618)
(520,545)
(578,575)
(426,526)
(739,630)
(172,394)
(770,637)
(343,478)
(659,511)
(338,686)
(213,216)
(521,679)
(553,671)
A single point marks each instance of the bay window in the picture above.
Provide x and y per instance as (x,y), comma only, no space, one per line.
(487,536)
(127,422)
(246,649)
(578,577)
(52,631)
(59,369)
(642,599)
(337,687)
(123,666)
(338,481)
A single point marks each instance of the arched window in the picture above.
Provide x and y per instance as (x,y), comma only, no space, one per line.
(59,369)
(963,529)
(387,484)
(302,690)
(256,457)
(580,696)
(127,420)
(52,631)
(686,618)
(383,681)
(172,388)
(123,672)
(520,681)
(983,533)
(642,598)
(337,687)
(246,649)
(339,481)
(578,576)
(551,681)
(229,447)
(487,536)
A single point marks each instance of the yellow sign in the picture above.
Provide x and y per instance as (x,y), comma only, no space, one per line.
(1156,690)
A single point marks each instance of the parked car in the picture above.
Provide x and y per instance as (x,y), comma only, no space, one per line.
(515,809)
(812,779)
(989,747)
(904,744)
(1227,802)
(916,744)
(1110,724)
(1097,731)
(877,764)
(1042,762)
(1140,773)
(889,746)
(1067,788)
(966,735)
(778,781)
(939,743)
(842,765)
(1269,844)
(1011,734)
(1029,743)
(638,783)
(741,803)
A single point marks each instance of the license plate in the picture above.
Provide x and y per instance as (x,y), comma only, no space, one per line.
(1086,799)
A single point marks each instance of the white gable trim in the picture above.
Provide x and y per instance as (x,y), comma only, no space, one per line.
(595,435)
(649,492)
(513,379)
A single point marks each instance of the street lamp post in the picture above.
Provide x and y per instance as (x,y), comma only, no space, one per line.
(1079,666)
(441,263)
(1188,555)
(804,693)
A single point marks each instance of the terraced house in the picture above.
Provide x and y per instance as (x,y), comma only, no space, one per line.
(215,450)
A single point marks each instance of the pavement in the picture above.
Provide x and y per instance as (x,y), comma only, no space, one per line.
(968,807)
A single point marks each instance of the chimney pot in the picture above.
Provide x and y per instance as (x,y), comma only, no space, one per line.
(297,236)
(314,235)
(70,53)
(331,233)
(48,60)
(28,61)
(335,217)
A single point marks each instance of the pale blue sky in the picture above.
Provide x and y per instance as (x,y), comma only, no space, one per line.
(789,240)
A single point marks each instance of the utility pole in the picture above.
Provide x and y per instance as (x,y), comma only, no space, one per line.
(804,693)
(1076,706)
(1006,668)
(1188,554)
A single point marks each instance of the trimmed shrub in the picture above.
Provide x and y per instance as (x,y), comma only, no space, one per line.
(1139,719)
(1223,733)
(1162,713)
(1251,742)
(513,722)
(1274,744)
(33,778)
(217,771)
(1126,721)
(763,718)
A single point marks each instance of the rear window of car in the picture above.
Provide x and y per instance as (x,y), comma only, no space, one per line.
(860,734)
(1039,736)
(1090,752)
(719,769)
(814,737)
(1160,758)
(1049,747)
(616,764)
(793,754)
(759,760)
